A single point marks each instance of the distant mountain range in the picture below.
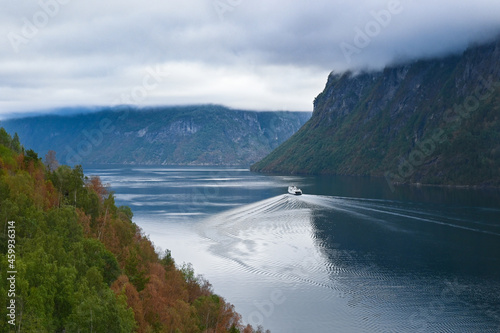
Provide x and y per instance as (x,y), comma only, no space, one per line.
(432,121)
(189,135)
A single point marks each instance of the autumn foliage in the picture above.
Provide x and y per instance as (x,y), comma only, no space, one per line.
(84,266)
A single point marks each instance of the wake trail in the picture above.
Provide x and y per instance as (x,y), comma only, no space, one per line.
(276,237)
(366,207)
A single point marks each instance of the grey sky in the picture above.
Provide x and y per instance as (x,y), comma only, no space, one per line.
(264,55)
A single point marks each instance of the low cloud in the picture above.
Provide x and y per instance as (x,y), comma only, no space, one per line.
(247,54)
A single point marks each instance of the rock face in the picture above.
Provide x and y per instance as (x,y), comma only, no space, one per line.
(192,135)
(431,121)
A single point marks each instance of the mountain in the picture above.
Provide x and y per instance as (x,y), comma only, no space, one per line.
(190,135)
(433,121)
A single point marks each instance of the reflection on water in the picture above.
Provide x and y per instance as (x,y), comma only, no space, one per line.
(347,256)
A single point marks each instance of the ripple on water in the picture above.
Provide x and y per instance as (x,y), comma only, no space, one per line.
(275,240)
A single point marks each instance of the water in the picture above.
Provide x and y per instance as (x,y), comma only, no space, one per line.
(347,256)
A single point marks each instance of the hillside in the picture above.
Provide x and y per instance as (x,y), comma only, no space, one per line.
(192,135)
(72,261)
(432,121)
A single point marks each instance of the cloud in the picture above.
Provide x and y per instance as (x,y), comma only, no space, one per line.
(248,54)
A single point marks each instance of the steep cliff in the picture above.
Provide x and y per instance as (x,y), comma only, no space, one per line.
(432,121)
(191,135)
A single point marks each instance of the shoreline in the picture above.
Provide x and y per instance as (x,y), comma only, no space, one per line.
(456,186)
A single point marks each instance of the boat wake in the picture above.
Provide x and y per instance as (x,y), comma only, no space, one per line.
(274,237)
(322,246)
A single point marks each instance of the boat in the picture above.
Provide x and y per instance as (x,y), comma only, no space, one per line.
(294,190)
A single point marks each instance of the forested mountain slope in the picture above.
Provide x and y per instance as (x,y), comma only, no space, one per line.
(72,261)
(432,121)
(189,135)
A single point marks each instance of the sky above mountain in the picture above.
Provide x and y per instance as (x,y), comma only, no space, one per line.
(261,55)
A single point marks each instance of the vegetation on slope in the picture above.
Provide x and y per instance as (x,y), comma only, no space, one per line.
(432,121)
(83,265)
(188,135)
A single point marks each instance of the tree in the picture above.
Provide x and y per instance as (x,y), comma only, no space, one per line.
(51,161)
(5,138)
(97,186)
(69,182)
(16,144)
(31,155)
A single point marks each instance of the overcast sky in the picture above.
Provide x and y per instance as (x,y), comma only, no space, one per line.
(252,54)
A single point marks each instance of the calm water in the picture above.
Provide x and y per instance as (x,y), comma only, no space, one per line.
(347,256)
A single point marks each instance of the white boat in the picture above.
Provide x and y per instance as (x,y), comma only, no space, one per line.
(294,190)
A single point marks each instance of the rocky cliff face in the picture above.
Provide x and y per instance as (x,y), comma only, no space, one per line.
(432,121)
(195,135)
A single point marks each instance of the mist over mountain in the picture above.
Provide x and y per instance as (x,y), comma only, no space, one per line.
(431,121)
(188,135)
